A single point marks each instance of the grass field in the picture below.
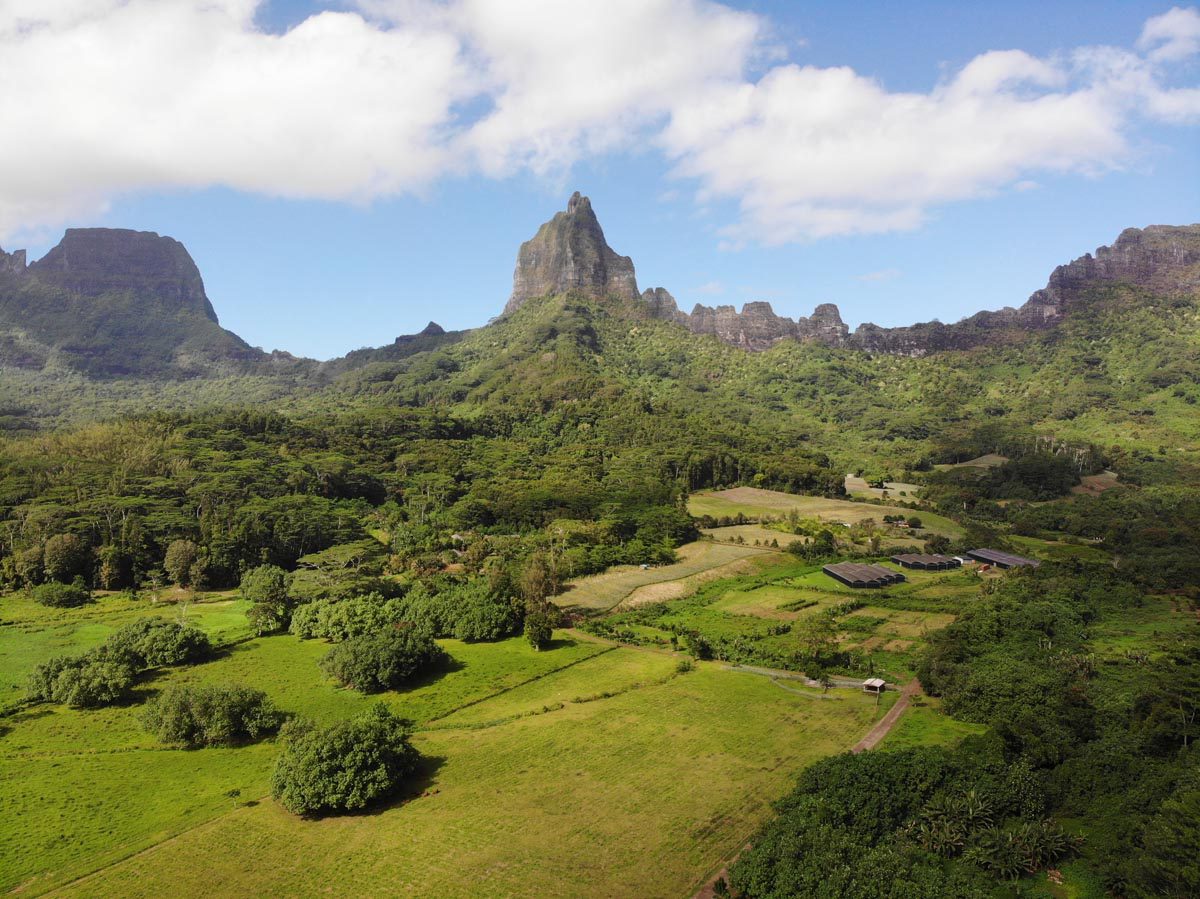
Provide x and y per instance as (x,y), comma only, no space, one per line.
(988,460)
(755,503)
(925,724)
(856,486)
(552,772)
(31,633)
(601,592)
(586,799)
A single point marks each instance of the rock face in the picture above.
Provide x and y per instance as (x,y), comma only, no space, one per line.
(569,253)
(96,261)
(1164,259)
(12,263)
(757,327)
(111,303)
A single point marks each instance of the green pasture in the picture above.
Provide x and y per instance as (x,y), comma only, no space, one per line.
(586,798)
(31,633)
(545,770)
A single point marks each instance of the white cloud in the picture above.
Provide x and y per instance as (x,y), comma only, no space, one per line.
(711,288)
(109,97)
(813,152)
(1173,36)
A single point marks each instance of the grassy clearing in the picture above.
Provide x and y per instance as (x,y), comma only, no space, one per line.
(756,503)
(105,789)
(31,633)
(856,486)
(925,724)
(601,592)
(747,534)
(586,800)
(988,460)
(1141,629)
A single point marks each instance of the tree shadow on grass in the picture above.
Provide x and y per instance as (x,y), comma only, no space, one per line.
(418,785)
(433,675)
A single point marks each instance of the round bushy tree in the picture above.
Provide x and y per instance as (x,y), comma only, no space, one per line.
(62,596)
(154,642)
(195,716)
(96,679)
(344,767)
(539,628)
(372,663)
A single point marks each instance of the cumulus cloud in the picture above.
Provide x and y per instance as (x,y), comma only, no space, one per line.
(105,97)
(814,152)
(1173,36)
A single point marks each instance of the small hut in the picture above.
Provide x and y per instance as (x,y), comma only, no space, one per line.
(874,686)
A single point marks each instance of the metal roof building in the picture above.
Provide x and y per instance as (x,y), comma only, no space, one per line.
(1002,559)
(926,562)
(854,574)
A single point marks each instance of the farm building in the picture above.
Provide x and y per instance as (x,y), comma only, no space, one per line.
(925,561)
(874,685)
(1002,559)
(854,574)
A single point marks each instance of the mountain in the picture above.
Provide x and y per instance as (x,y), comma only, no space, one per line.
(569,254)
(112,303)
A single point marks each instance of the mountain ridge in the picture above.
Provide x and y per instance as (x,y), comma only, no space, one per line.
(123,303)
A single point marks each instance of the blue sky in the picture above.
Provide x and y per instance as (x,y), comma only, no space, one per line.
(716,209)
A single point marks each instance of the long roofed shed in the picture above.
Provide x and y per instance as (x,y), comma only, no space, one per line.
(1002,559)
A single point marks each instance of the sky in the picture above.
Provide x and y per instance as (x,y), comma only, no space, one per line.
(344,172)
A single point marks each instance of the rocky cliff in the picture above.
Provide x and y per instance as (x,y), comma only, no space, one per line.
(112,302)
(569,253)
(1162,259)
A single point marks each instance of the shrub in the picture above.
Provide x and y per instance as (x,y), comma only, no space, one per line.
(195,716)
(539,629)
(154,642)
(96,679)
(344,767)
(62,596)
(374,662)
(341,619)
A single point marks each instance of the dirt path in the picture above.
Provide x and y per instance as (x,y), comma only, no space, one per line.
(885,724)
(881,729)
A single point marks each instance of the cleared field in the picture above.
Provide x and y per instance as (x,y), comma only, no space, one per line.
(988,460)
(79,789)
(1095,484)
(857,486)
(755,503)
(746,534)
(586,800)
(31,633)
(601,592)
(925,724)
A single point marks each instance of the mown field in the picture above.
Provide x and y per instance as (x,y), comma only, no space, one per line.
(559,772)
(601,592)
(755,503)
